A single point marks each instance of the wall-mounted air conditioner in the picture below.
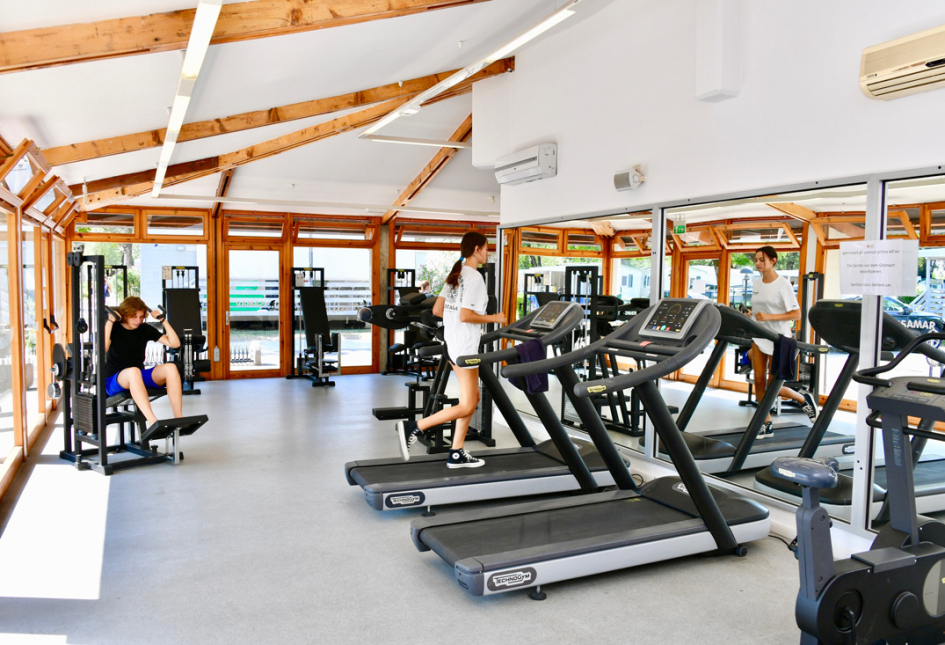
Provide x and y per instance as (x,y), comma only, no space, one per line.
(537,162)
(905,66)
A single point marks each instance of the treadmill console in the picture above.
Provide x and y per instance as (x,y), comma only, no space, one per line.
(551,314)
(672,318)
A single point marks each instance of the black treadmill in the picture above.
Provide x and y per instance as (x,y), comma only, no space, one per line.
(843,332)
(530,544)
(558,465)
(731,450)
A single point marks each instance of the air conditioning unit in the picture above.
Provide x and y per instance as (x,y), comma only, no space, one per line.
(538,162)
(905,66)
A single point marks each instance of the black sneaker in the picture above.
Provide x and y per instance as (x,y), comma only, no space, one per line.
(408,433)
(462,459)
(765,431)
(810,406)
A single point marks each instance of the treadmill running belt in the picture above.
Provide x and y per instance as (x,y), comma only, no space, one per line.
(425,470)
(787,436)
(455,542)
(927,474)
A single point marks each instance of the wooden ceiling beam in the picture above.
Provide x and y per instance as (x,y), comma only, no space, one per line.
(86,150)
(431,170)
(18,153)
(37,194)
(226,180)
(794,210)
(67,44)
(5,148)
(135,184)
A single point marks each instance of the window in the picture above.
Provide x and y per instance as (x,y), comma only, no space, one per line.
(182,223)
(105,222)
(256,227)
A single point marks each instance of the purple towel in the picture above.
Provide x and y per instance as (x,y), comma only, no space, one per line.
(784,360)
(531,350)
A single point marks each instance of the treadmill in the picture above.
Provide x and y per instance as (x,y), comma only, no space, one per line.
(731,450)
(558,465)
(929,475)
(530,544)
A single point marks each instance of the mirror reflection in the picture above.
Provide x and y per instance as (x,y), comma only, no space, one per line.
(915,211)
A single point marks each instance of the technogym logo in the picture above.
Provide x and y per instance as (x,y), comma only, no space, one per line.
(403,500)
(511,579)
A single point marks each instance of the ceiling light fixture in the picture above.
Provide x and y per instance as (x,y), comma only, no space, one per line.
(205,21)
(437,143)
(412,106)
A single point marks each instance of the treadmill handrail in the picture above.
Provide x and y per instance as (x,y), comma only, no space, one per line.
(919,343)
(520,330)
(754,330)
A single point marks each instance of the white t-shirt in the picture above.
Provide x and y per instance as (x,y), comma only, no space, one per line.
(776,297)
(462,339)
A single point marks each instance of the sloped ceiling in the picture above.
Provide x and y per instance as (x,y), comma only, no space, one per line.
(57,106)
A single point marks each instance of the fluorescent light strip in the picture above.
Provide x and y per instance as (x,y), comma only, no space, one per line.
(377,208)
(205,21)
(420,142)
(413,106)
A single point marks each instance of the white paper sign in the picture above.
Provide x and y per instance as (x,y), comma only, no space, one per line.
(882,268)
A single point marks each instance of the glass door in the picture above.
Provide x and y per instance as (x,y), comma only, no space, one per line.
(702,284)
(253,334)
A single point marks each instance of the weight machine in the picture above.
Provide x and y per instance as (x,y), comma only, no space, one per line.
(80,378)
(181,299)
(310,317)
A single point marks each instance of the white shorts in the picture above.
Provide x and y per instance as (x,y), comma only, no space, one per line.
(462,350)
(766,346)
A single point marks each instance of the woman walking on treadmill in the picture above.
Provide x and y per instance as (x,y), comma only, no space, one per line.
(462,305)
(773,305)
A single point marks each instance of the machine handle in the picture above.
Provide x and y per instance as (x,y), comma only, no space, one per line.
(872,380)
(918,342)
(925,387)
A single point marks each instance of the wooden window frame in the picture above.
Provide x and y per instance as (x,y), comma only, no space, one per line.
(791,244)
(820,224)
(925,222)
(559,249)
(231,217)
(371,231)
(701,228)
(433,228)
(176,239)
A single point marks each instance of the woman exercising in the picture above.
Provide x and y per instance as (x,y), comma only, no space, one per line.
(462,305)
(774,306)
(125,347)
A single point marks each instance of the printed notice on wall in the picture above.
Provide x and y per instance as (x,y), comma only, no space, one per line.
(882,268)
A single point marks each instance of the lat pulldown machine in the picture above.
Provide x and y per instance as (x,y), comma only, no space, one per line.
(87,410)
(310,316)
(181,297)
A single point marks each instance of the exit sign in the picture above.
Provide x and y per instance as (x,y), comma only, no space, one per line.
(679,229)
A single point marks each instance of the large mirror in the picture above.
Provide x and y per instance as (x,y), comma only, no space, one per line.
(604,265)
(915,210)
(711,252)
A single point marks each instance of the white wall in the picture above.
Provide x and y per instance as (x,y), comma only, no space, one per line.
(618,88)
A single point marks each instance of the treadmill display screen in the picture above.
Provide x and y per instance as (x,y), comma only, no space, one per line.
(672,318)
(551,314)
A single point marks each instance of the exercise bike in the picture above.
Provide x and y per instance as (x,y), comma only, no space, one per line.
(895,592)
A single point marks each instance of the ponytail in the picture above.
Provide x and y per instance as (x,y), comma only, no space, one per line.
(453,278)
(471,241)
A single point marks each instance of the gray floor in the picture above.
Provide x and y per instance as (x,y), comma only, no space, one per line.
(257,537)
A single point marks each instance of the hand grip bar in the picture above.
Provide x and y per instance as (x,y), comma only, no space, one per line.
(918,342)
(925,387)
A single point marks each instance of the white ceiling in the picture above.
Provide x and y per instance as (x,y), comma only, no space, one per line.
(94,100)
